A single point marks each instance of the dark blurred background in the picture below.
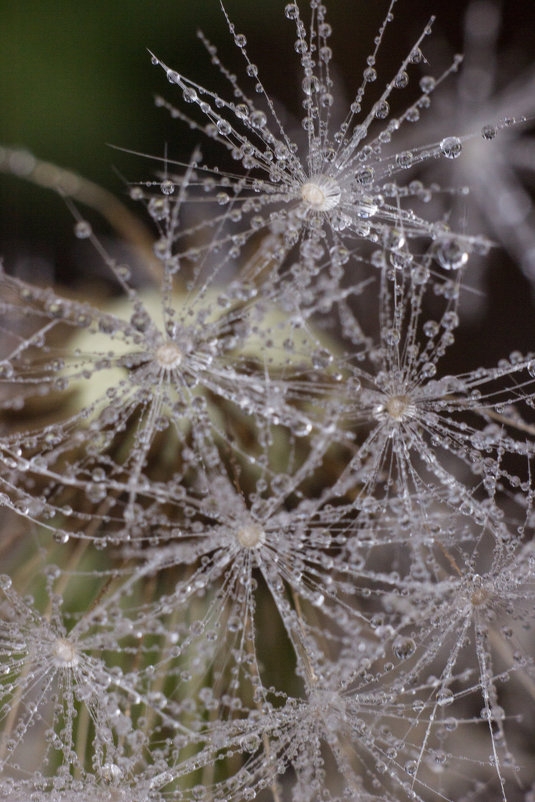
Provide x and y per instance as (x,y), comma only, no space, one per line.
(76,77)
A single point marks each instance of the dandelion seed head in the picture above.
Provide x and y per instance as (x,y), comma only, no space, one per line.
(327,708)
(169,356)
(398,406)
(321,193)
(479,593)
(479,597)
(250,535)
(64,653)
(395,408)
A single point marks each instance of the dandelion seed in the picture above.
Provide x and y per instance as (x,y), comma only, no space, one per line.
(338,181)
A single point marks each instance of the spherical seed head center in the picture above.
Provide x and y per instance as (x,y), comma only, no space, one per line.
(321,193)
(480,594)
(65,654)
(250,535)
(169,356)
(397,406)
(479,597)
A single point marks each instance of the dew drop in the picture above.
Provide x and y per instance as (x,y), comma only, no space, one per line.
(258,119)
(405,159)
(450,254)
(394,239)
(401,80)
(488,132)
(403,647)
(365,176)
(291,11)
(382,110)
(5,582)
(82,229)
(158,208)
(427,84)
(451,147)
(6,370)
(445,696)
(223,127)
(189,94)
(167,187)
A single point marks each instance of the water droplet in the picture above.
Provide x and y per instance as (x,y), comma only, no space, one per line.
(167,187)
(445,696)
(224,127)
(124,272)
(365,176)
(158,208)
(451,147)
(401,80)
(140,321)
(428,370)
(366,207)
(242,111)
(82,229)
(302,429)
(450,254)
(394,239)
(291,11)
(392,336)
(403,647)
(378,259)
(250,743)
(382,110)
(431,328)
(5,582)
(258,119)
(189,94)
(6,370)
(427,84)
(405,159)
(488,132)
